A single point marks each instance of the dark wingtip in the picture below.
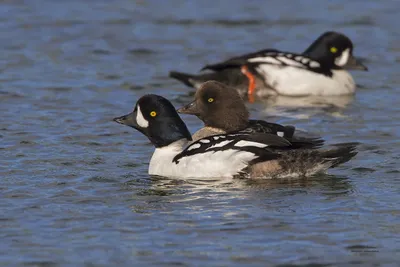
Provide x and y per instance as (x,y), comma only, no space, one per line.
(343,153)
(182,77)
(204,68)
(306,143)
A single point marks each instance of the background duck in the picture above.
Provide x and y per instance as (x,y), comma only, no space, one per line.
(320,70)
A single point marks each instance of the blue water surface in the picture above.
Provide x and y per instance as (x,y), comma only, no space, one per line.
(74,188)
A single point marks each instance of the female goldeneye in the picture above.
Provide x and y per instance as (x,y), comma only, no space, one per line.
(223,111)
(319,70)
(253,155)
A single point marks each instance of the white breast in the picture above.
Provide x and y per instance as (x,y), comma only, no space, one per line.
(292,81)
(225,163)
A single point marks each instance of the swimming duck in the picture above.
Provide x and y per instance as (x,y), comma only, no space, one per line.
(252,155)
(320,70)
(223,111)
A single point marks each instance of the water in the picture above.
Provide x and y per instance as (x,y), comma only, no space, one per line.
(74,188)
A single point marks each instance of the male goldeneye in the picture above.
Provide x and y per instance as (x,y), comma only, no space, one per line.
(320,70)
(223,111)
(252,155)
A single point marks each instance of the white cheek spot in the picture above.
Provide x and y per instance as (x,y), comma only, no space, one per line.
(204,141)
(250,143)
(195,146)
(314,64)
(280,134)
(141,121)
(343,58)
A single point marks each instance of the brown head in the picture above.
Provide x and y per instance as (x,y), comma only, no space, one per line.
(218,106)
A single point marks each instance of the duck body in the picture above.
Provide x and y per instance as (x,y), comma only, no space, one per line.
(222,110)
(321,70)
(251,155)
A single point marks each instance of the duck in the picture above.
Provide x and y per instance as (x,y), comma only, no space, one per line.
(321,70)
(222,110)
(234,155)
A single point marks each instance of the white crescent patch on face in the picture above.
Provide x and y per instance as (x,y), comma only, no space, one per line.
(141,121)
(343,58)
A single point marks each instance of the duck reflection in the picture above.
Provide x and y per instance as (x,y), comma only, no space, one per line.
(232,196)
(305,106)
(325,183)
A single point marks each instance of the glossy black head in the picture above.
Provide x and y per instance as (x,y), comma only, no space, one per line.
(335,50)
(218,106)
(156,117)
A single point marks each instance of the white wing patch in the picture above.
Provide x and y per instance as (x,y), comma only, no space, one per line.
(290,62)
(250,143)
(285,59)
(141,121)
(270,60)
(221,144)
(280,134)
(305,60)
(195,146)
(314,64)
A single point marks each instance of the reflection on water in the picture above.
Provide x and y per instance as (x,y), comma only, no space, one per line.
(189,190)
(305,107)
(331,182)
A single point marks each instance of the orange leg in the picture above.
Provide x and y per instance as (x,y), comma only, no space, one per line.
(252,83)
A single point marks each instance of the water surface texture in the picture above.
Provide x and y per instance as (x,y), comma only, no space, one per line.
(74,188)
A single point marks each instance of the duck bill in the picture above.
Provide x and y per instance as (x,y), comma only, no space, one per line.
(190,108)
(129,120)
(354,64)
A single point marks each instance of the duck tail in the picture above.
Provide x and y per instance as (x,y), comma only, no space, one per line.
(311,161)
(306,143)
(187,79)
(340,154)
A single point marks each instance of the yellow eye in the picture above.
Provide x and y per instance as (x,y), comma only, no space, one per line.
(153,113)
(333,49)
(210,100)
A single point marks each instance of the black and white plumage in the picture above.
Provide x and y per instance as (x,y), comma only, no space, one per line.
(320,70)
(228,113)
(227,155)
